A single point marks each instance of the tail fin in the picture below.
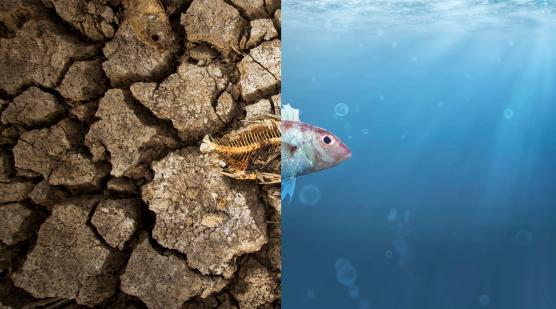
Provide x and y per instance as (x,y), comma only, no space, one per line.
(207,145)
(288,187)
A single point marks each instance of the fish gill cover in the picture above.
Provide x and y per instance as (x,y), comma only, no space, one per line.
(448,107)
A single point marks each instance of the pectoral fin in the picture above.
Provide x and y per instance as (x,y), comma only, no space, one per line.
(288,187)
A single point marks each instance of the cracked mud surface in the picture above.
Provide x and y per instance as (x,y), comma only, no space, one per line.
(105,199)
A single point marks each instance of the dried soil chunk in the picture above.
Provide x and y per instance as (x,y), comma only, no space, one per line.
(272,6)
(33,107)
(256,285)
(253,9)
(277,102)
(17,223)
(117,220)
(278,19)
(260,108)
(14,191)
(93,18)
(130,60)
(202,53)
(68,261)
(268,55)
(130,137)
(261,29)
(225,107)
(79,172)
(273,199)
(85,112)
(84,81)
(40,151)
(214,22)
(14,13)
(186,98)
(164,281)
(200,212)
(272,252)
(260,71)
(46,195)
(38,54)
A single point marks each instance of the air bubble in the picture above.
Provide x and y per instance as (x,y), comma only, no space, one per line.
(341,109)
(309,195)
(365,131)
(364,305)
(402,249)
(509,113)
(392,214)
(524,237)
(484,300)
(388,254)
(341,263)
(353,291)
(346,275)
(345,272)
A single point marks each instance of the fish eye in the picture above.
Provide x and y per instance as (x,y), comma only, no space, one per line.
(327,140)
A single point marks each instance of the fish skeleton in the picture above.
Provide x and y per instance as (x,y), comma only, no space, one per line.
(251,153)
(306,149)
(272,150)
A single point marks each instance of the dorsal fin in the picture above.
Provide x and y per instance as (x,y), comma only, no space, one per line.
(290,113)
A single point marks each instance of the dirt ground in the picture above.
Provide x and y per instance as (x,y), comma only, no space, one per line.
(105,199)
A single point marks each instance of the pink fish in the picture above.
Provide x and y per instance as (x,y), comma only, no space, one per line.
(306,149)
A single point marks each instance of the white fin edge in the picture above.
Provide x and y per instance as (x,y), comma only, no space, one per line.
(290,113)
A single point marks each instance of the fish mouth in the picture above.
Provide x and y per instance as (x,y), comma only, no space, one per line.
(347,156)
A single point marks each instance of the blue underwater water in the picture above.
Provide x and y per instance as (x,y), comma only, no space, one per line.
(449,200)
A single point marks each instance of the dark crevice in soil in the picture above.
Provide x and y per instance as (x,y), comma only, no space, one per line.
(4,32)
(5,96)
(67,27)
(240,10)
(23,248)
(12,296)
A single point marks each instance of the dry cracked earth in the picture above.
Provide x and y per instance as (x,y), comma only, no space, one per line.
(105,199)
